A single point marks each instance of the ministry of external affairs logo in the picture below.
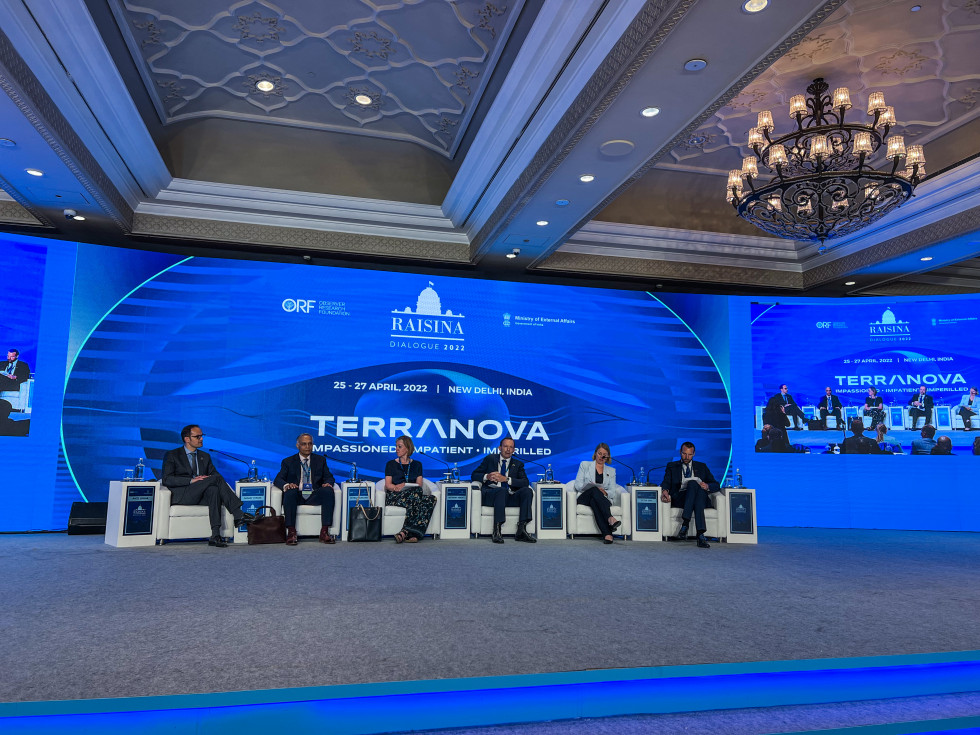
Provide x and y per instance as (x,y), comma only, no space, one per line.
(427,326)
(890,329)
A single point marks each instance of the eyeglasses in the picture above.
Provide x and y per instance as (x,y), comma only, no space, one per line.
(198,436)
(602,456)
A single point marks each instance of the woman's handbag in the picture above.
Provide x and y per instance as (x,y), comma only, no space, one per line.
(364,522)
(269,529)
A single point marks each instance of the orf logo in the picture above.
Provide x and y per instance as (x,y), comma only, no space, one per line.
(823,325)
(303,305)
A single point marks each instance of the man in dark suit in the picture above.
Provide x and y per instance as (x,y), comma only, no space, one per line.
(505,484)
(15,372)
(859,443)
(926,440)
(830,405)
(305,478)
(192,480)
(686,485)
(780,408)
(921,404)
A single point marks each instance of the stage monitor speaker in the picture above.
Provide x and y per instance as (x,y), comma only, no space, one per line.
(86,518)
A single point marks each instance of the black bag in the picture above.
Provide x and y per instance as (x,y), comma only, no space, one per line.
(364,522)
(267,529)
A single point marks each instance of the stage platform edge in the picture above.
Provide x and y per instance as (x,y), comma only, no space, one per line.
(360,709)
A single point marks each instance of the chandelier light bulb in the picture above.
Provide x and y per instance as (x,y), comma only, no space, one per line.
(842,98)
(777,156)
(755,137)
(896,146)
(888,116)
(749,167)
(862,143)
(876,103)
(797,105)
(915,155)
(819,146)
(765,120)
(735,178)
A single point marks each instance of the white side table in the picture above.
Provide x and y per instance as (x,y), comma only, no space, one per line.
(549,511)
(454,521)
(349,494)
(131,518)
(648,522)
(741,522)
(253,496)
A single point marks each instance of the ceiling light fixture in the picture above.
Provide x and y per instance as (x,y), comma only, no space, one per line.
(850,283)
(820,185)
(541,222)
(695,64)
(586,178)
(755,6)
(514,253)
(7,143)
(264,85)
(915,8)
(927,258)
(650,111)
(363,99)
(34,171)
(78,218)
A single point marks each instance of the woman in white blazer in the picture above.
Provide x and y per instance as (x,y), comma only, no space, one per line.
(596,481)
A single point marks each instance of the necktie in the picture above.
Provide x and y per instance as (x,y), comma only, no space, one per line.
(10,368)
(306,471)
(687,470)
(503,467)
(197,471)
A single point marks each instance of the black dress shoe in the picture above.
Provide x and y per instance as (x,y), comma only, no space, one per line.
(217,541)
(616,525)
(682,534)
(703,542)
(246,518)
(523,535)
(497,537)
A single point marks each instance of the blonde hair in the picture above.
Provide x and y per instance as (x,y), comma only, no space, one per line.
(601,445)
(407,441)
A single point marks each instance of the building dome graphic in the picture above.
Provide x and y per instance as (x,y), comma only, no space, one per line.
(429,302)
(888,317)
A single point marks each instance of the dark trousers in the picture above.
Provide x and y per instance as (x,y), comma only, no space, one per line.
(824,413)
(322,496)
(796,412)
(914,414)
(695,500)
(601,508)
(213,492)
(966,414)
(499,498)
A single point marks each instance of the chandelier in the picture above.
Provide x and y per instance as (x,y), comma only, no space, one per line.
(818,183)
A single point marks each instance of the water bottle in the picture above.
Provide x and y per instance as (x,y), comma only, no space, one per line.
(353,471)
(455,472)
(643,476)
(253,472)
(738,478)
(549,476)
(138,474)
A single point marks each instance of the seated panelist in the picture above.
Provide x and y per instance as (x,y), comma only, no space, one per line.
(192,479)
(874,408)
(921,403)
(596,481)
(505,484)
(686,485)
(781,410)
(403,488)
(830,405)
(304,478)
(969,406)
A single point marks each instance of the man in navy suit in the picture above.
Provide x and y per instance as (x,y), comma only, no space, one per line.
(830,405)
(921,404)
(505,484)
(782,411)
(192,480)
(305,478)
(15,372)
(686,485)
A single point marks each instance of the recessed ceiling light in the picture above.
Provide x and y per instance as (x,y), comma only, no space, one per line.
(562,203)
(754,6)
(8,143)
(34,171)
(915,8)
(264,85)
(849,283)
(586,178)
(928,257)
(695,64)
(514,253)
(78,218)
(541,222)
(650,111)
(363,99)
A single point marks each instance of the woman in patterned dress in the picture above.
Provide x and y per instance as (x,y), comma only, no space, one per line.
(873,408)
(403,488)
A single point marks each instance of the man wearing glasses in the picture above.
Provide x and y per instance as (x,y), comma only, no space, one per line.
(305,478)
(192,480)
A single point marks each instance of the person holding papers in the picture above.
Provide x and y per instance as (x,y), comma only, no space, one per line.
(596,481)
(686,485)
(969,406)
(403,488)
(305,478)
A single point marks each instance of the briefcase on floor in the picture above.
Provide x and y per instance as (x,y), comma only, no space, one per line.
(267,529)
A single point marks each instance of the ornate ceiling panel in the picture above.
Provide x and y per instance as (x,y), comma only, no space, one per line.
(926,63)
(423,64)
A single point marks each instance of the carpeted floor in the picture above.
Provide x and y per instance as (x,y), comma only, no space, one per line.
(81,619)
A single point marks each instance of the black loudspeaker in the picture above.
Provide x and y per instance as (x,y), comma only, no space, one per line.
(87,518)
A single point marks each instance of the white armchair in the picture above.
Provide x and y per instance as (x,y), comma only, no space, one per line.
(20,399)
(394,516)
(579,518)
(308,516)
(186,521)
(481,519)
(716,518)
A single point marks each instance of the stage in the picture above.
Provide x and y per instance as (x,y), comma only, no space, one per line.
(817,441)
(90,621)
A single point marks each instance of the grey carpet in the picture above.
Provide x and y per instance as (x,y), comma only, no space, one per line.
(81,619)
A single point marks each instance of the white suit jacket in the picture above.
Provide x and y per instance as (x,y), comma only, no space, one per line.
(586,474)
